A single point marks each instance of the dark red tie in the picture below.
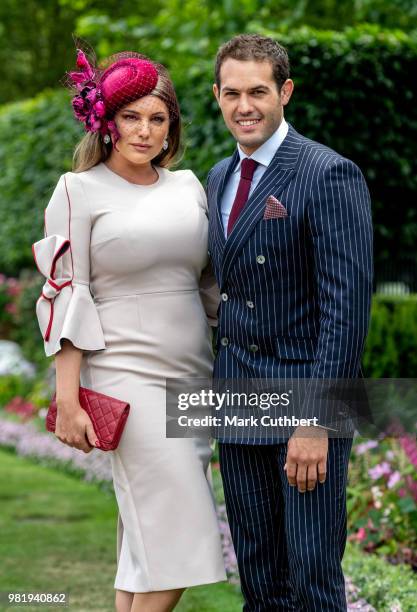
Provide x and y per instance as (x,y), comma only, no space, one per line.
(246,175)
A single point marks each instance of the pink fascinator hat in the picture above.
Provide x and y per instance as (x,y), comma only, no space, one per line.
(100,90)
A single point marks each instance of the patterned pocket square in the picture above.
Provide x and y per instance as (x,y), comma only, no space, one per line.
(274,209)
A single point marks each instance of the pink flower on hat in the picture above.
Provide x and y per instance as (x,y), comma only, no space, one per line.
(100,93)
(83,64)
(86,72)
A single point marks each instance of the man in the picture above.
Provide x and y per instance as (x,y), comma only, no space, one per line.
(291,244)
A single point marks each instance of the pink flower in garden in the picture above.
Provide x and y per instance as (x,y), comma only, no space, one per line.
(382,469)
(361,534)
(13,287)
(409,446)
(11,308)
(394,479)
(360,449)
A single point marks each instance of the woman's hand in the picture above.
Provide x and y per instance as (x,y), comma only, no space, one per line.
(74,427)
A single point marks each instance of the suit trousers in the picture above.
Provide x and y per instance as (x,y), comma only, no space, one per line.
(289,545)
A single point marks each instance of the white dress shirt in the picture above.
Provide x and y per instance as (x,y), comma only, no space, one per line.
(263,156)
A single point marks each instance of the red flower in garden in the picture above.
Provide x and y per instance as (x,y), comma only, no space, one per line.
(18,405)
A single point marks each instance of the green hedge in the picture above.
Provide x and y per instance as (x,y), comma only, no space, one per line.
(355,91)
(391,346)
(38,137)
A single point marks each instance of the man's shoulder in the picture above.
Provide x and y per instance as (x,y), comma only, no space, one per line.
(319,155)
(312,149)
(318,163)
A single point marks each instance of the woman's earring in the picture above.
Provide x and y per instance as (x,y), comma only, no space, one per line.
(106,138)
(165,145)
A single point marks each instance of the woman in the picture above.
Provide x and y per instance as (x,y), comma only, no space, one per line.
(128,313)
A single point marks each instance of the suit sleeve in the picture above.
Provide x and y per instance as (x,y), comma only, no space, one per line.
(210,294)
(339,218)
(209,290)
(65,308)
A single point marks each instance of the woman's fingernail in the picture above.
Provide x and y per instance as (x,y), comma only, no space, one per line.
(97,443)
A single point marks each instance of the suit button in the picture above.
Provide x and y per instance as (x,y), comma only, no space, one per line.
(250,304)
(225,297)
(253,348)
(260,259)
(224,341)
(209,253)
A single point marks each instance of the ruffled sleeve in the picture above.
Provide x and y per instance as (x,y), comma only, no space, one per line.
(65,308)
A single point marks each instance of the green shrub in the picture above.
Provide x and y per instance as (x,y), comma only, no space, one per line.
(38,137)
(18,321)
(391,346)
(13,385)
(6,307)
(26,330)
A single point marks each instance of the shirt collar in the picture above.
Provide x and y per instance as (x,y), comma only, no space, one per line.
(266,152)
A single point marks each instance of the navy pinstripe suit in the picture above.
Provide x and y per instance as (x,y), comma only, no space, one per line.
(296,304)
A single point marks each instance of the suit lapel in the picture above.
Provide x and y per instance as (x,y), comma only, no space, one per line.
(226,171)
(218,239)
(275,178)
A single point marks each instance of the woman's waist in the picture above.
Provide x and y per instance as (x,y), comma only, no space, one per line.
(100,296)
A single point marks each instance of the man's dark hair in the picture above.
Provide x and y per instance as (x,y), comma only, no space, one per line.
(246,47)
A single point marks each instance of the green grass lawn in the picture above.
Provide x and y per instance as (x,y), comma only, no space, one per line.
(59,534)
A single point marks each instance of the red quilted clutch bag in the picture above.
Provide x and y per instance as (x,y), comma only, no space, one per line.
(108,416)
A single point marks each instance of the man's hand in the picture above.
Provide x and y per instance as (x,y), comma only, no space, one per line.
(307,458)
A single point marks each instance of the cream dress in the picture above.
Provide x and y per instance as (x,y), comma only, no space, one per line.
(124,266)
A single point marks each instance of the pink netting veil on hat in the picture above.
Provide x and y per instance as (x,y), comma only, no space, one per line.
(101,90)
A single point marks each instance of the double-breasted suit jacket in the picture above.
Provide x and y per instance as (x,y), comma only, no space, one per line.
(296,289)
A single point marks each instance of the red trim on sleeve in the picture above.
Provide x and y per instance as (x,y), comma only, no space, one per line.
(69,223)
(51,318)
(64,248)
